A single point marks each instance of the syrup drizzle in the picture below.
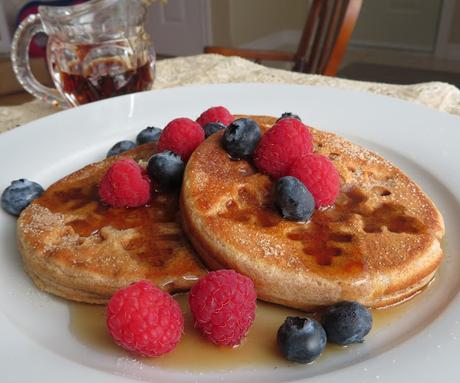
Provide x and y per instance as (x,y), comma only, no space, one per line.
(195,353)
(319,237)
(322,242)
(157,241)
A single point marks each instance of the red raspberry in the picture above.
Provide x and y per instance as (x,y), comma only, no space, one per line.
(125,185)
(223,304)
(281,145)
(320,176)
(215,114)
(144,319)
(181,136)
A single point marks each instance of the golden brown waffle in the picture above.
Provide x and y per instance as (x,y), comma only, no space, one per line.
(80,249)
(378,245)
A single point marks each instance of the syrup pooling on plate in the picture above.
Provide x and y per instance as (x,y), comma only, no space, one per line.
(195,353)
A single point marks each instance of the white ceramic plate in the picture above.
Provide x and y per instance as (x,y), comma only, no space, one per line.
(422,346)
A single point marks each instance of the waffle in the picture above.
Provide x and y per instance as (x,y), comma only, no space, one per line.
(379,244)
(77,248)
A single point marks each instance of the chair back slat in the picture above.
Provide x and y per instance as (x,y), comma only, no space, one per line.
(346,27)
(337,13)
(326,33)
(308,32)
(318,37)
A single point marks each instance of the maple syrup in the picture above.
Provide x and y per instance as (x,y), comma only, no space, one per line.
(195,353)
(318,238)
(320,241)
(86,89)
(158,246)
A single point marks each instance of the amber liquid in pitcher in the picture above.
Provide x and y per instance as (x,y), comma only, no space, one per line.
(98,87)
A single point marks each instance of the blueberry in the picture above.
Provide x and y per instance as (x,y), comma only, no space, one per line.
(347,322)
(149,134)
(17,196)
(289,115)
(212,127)
(241,138)
(301,340)
(121,147)
(294,199)
(165,170)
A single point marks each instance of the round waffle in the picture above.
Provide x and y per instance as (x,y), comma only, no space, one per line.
(379,244)
(76,247)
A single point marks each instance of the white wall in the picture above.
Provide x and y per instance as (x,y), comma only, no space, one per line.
(12,8)
(241,22)
(401,24)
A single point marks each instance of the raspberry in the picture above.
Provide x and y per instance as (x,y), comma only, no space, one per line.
(181,136)
(215,114)
(223,304)
(144,319)
(320,177)
(125,185)
(281,145)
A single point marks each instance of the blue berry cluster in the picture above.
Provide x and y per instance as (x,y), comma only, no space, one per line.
(302,340)
(149,134)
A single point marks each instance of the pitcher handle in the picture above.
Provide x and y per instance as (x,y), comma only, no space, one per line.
(21,65)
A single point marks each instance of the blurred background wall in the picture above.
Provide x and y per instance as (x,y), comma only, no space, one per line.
(11,8)
(400,41)
(405,25)
(411,25)
(246,21)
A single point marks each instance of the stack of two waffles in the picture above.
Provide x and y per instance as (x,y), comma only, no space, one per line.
(379,244)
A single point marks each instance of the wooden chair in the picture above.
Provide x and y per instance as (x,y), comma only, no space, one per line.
(325,37)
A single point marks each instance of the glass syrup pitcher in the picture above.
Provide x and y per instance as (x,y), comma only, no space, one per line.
(95,50)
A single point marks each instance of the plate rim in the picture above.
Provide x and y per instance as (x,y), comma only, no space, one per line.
(94,106)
